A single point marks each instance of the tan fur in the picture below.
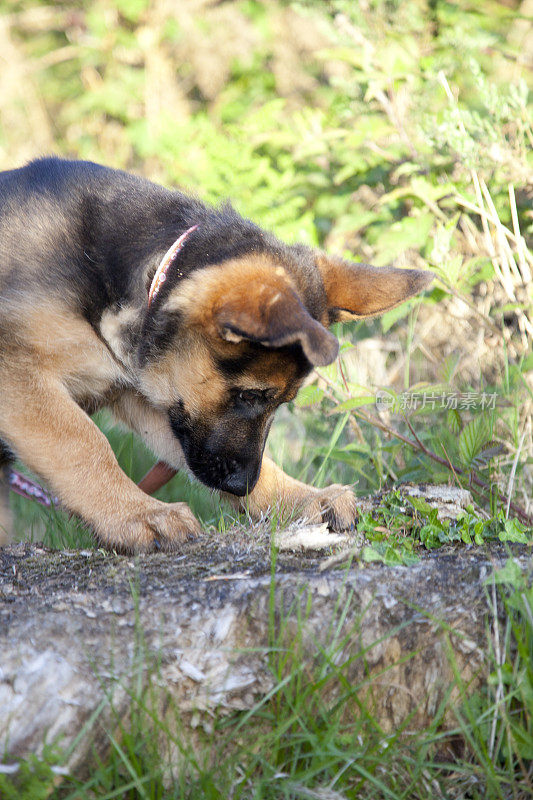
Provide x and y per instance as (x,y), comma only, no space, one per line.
(275,490)
(248,300)
(131,409)
(53,365)
(61,364)
(112,327)
(52,339)
(360,290)
(188,373)
(203,294)
(57,440)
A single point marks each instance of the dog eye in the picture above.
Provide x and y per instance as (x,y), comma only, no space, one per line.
(250,397)
(253,397)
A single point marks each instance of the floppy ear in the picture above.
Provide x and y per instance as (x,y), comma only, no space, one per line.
(359,290)
(274,316)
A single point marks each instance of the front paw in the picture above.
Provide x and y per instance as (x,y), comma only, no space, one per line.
(156,527)
(335,505)
(171,526)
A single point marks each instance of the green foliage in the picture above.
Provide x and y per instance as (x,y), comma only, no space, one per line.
(471,440)
(315,730)
(376,129)
(497,723)
(32,779)
(387,131)
(401,526)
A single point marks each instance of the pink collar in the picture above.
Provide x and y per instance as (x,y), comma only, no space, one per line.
(166,262)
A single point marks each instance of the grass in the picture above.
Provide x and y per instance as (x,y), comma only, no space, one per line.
(392,132)
(380,131)
(315,734)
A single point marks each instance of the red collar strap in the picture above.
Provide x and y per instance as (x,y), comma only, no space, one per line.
(166,262)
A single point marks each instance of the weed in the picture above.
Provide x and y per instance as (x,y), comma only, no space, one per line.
(392,132)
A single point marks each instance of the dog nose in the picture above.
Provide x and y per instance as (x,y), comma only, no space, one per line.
(234,484)
(241,481)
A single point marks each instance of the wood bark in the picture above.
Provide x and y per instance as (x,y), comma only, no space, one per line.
(73,626)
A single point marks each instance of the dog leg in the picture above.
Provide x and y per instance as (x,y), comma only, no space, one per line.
(274,489)
(334,505)
(58,441)
(153,426)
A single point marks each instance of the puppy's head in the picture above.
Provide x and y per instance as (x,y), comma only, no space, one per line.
(231,342)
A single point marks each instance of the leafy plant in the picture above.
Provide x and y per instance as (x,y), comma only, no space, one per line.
(384,131)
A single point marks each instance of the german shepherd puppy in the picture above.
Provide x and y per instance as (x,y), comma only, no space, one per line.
(190,323)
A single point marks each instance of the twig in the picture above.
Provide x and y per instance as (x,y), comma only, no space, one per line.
(483,317)
(498,655)
(506,258)
(520,244)
(416,444)
(511,476)
(484,214)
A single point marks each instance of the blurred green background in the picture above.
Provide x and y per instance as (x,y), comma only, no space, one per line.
(390,131)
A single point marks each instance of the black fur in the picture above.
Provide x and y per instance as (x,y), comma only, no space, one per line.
(92,237)
(199,377)
(97,231)
(233,467)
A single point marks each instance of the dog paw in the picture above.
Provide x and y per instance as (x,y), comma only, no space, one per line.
(335,505)
(172,526)
(161,527)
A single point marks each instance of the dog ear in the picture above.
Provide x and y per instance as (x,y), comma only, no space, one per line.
(274,316)
(359,290)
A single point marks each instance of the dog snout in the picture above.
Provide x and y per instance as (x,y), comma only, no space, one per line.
(241,479)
